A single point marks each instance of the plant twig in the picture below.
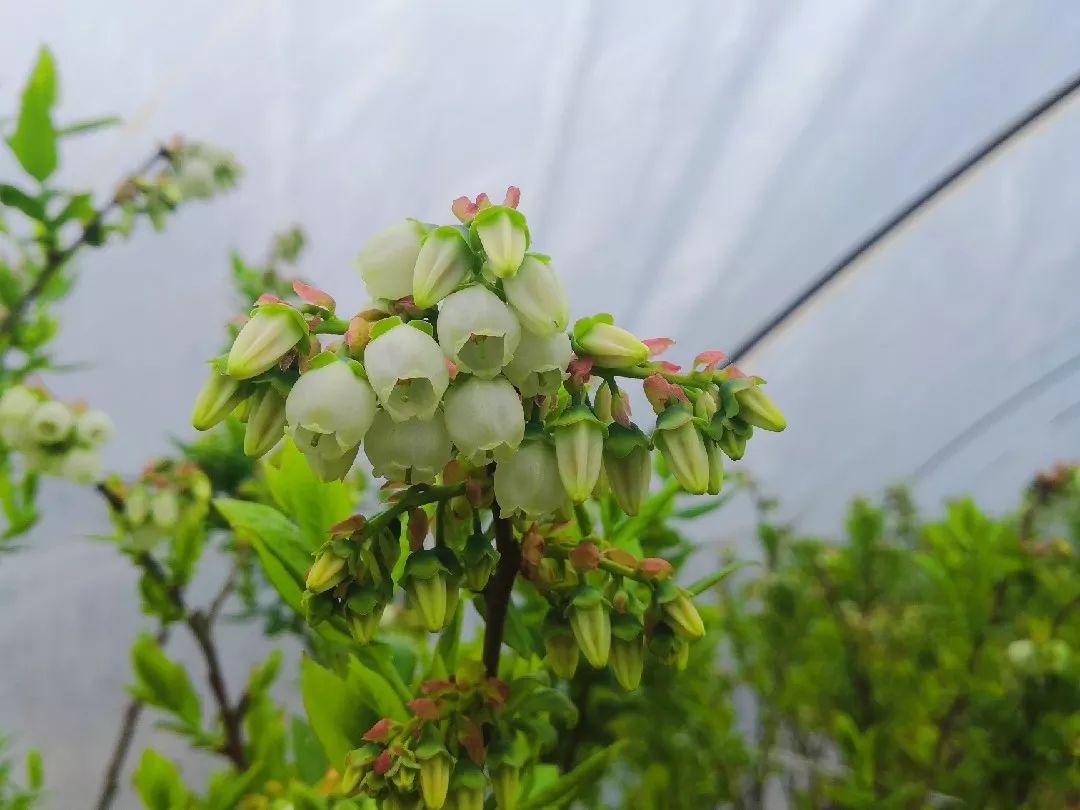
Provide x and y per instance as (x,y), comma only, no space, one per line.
(498,591)
(55,259)
(233,747)
(111,780)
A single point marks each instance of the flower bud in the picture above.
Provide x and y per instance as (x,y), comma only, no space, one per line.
(414,450)
(591,623)
(478,560)
(50,423)
(756,408)
(683,448)
(505,784)
(679,612)
(539,364)
(537,295)
(136,506)
(529,481)
(628,661)
(327,571)
(500,430)
(217,398)
(435,778)
(387,259)
(266,421)
(609,345)
(664,644)
(444,262)
(561,647)
(733,445)
(504,235)
(365,607)
(165,509)
(579,447)
(329,410)
(424,581)
(82,465)
(408,371)
(716,467)
(477,331)
(627,466)
(273,331)
(93,427)
(17,404)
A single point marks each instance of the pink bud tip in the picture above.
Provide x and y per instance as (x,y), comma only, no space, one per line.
(378,732)
(579,368)
(657,391)
(735,373)
(710,359)
(239,320)
(658,345)
(451,368)
(464,209)
(425,708)
(656,568)
(313,295)
(620,409)
(418,528)
(382,763)
(513,197)
(482,201)
(349,525)
(670,368)
(585,557)
(268,298)
(436,685)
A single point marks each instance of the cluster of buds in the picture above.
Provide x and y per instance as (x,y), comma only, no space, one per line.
(351,578)
(438,758)
(53,437)
(465,356)
(166,495)
(610,608)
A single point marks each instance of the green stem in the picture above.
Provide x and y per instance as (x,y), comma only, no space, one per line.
(695,379)
(414,496)
(584,519)
(563,552)
(331,326)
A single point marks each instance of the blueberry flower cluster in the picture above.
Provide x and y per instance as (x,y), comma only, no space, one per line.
(167,495)
(53,437)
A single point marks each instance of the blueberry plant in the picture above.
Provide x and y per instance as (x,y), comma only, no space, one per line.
(511,463)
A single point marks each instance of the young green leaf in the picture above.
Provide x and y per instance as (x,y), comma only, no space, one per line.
(34,140)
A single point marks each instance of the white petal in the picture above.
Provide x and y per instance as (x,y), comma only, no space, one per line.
(478,331)
(408,371)
(484,417)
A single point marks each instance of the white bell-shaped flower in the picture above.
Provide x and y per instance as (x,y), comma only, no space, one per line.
(330,467)
(17,405)
(328,411)
(387,260)
(538,297)
(539,363)
(528,481)
(50,423)
(485,418)
(408,371)
(478,331)
(82,465)
(442,264)
(93,427)
(415,450)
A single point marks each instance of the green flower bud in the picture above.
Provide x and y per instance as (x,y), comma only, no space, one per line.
(443,263)
(561,646)
(628,661)
(328,570)
(607,344)
(733,445)
(51,422)
(424,580)
(466,787)
(756,408)
(137,506)
(591,623)
(716,467)
(579,446)
(366,608)
(165,509)
(664,645)
(679,441)
(478,559)
(505,784)
(266,421)
(217,398)
(679,611)
(273,331)
(435,777)
(627,466)
(504,235)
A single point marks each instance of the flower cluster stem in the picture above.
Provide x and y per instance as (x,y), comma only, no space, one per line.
(499,589)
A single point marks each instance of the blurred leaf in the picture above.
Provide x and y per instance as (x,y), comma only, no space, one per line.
(88,125)
(715,578)
(163,683)
(377,693)
(569,786)
(14,197)
(338,715)
(34,139)
(313,504)
(157,783)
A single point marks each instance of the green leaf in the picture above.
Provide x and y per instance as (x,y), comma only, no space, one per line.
(308,755)
(227,788)
(376,691)
(263,675)
(337,714)
(35,771)
(449,642)
(394,663)
(162,682)
(700,509)
(281,537)
(569,786)
(315,506)
(88,125)
(80,207)
(34,139)
(158,783)
(14,197)
(717,577)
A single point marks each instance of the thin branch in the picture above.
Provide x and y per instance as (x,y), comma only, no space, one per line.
(56,259)
(498,591)
(111,780)
(230,717)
